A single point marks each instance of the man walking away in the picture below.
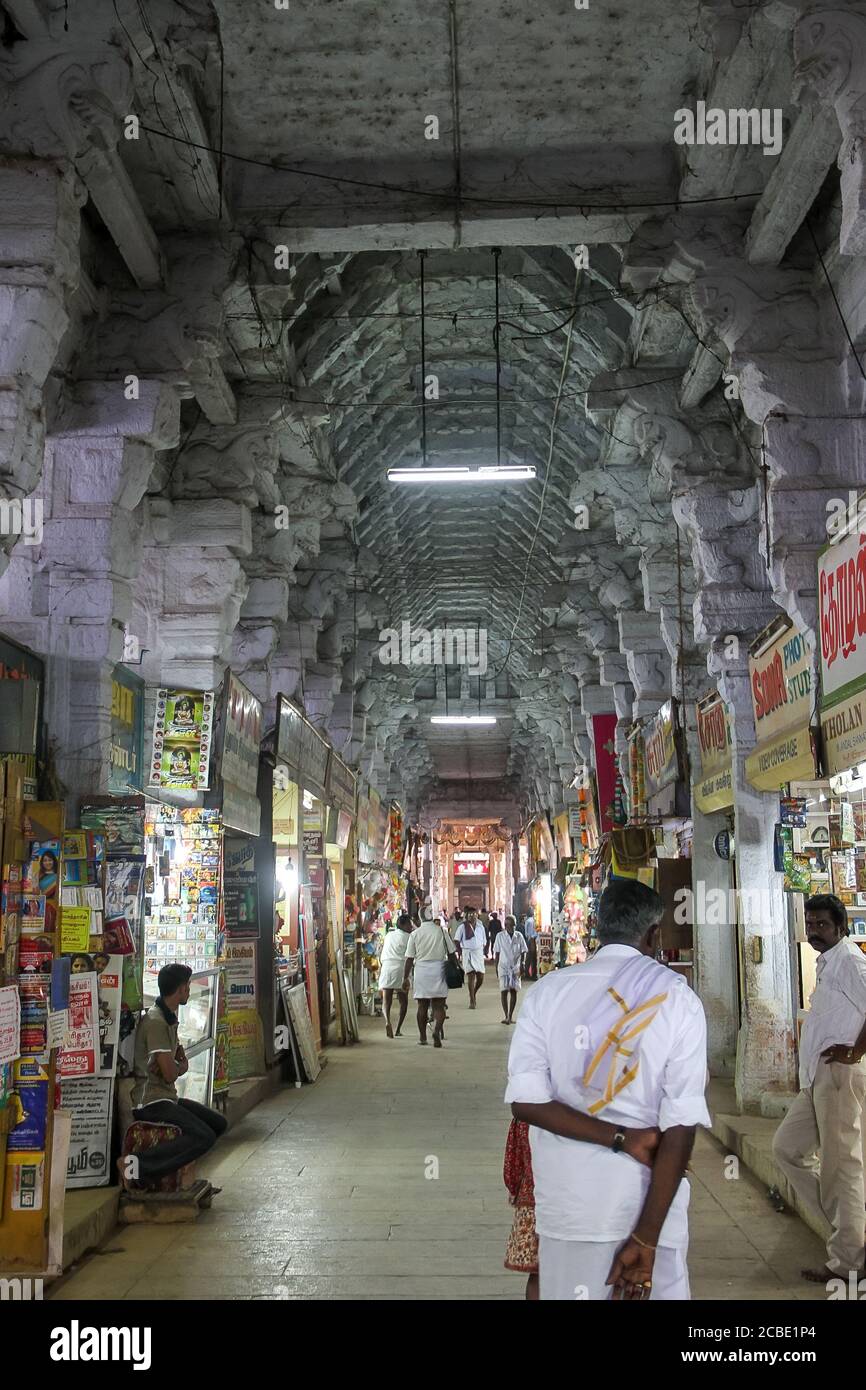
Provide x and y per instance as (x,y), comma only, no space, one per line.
(531,936)
(159,1061)
(426,952)
(603,1052)
(392,964)
(469,939)
(826,1119)
(494,927)
(509,948)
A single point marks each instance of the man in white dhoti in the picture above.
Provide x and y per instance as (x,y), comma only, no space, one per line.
(509,950)
(392,963)
(601,1053)
(427,950)
(470,937)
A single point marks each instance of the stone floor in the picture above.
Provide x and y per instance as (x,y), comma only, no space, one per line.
(326,1193)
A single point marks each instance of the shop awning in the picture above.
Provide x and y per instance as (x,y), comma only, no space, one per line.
(790,757)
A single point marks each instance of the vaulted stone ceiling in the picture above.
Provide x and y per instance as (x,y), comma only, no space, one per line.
(293,379)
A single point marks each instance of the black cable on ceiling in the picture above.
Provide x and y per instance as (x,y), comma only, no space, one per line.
(582,207)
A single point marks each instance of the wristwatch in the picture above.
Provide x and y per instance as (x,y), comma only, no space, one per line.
(618,1141)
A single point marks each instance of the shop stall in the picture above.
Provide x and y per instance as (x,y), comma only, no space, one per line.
(784,707)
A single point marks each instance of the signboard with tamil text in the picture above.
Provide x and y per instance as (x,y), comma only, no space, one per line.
(715,789)
(780,679)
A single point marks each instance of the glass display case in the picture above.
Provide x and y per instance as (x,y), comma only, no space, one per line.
(197,1034)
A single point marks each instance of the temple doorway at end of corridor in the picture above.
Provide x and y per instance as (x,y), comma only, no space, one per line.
(471,896)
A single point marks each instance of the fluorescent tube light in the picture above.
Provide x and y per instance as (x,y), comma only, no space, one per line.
(463,719)
(518,473)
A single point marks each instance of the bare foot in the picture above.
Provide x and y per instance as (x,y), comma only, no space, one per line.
(423,1042)
(389,1031)
(437,1039)
(505,1020)
(398,1034)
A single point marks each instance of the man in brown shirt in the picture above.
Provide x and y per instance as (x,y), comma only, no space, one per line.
(159,1061)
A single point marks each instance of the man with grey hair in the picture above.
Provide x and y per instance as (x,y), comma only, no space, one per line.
(608,1066)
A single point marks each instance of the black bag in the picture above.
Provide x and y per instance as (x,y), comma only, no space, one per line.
(454,972)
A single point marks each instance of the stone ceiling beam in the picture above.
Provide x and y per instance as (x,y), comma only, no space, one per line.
(809,152)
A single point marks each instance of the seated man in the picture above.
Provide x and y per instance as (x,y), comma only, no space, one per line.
(159,1061)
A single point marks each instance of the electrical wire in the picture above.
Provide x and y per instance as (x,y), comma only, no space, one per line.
(832,290)
(583,207)
(547,472)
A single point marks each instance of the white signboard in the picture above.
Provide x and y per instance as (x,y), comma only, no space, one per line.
(240,974)
(89,1101)
(842,618)
(10,1024)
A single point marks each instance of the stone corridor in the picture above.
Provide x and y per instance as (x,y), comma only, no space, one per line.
(325,1195)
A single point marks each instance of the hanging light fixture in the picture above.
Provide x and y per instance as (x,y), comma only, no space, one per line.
(463,719)
(498,473)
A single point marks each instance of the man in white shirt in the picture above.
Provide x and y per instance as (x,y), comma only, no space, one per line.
(826,1119)
(392,968)
(602,1053)
(470,937)
(509,949)
(426,952)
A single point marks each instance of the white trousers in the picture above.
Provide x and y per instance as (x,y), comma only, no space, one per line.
(577,1269)
(819,1147)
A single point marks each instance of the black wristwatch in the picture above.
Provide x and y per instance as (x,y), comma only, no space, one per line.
(618,1141)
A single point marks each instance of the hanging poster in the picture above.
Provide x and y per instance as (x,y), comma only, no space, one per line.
(221,1076)
(79,1058)
(122,826)
(313,843)
(182,730)
(240,888)
(240,970)
(126,772)
(246,1050)
(89,1101)
(34,991)
(74,929)
(124,884)
(10,1025)
(241,727)
(109,987)
(604,746)
(30,1079)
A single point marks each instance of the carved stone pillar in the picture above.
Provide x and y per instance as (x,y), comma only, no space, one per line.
(766,1073)
(39,226)
(73,598)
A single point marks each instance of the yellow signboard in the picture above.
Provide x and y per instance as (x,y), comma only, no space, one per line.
(74,928)
(788,758)
(715,791)
(844,729)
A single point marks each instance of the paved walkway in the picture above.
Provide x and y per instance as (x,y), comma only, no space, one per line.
(326,1193)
